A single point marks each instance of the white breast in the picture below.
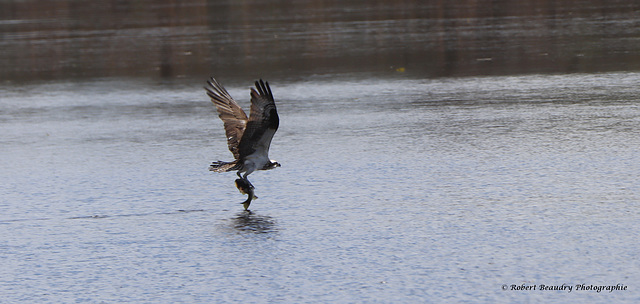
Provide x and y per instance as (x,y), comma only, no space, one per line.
(257,160)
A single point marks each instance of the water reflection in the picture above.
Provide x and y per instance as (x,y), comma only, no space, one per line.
(168,39)
(249,221)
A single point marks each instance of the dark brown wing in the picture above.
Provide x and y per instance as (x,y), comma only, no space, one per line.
(234,118)
(263,121)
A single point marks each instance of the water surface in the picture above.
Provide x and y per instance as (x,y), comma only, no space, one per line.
(390,190)
(430,151)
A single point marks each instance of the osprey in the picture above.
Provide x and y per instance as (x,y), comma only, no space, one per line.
(248,138)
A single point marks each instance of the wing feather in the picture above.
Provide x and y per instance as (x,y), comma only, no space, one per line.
(231,114)
(263,121)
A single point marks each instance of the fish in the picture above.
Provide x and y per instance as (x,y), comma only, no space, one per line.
(246,188)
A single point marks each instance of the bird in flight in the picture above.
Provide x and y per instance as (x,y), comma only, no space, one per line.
(248,138)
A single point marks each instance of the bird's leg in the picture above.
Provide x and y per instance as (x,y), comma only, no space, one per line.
(248,182)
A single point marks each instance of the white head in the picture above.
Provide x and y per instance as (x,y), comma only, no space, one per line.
(272,164)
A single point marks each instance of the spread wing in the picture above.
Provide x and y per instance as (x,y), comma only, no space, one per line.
(263,121)
(234,118)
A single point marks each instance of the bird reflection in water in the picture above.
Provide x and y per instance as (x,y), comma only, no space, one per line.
(248,221)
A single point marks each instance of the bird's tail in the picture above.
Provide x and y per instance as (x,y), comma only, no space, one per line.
(221,166)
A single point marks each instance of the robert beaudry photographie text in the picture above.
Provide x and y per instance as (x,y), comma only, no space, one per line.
(566,287)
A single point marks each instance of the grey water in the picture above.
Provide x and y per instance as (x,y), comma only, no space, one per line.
(389,190)
(430,152)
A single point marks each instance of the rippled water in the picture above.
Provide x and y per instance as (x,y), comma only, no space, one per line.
(391,190)
(411,171)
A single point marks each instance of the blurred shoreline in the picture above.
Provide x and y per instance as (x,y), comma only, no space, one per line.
(418,39)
